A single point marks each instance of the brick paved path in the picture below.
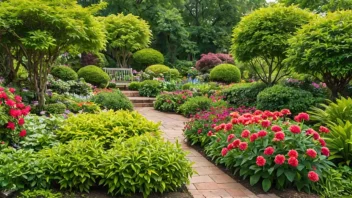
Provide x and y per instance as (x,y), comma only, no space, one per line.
(210,182)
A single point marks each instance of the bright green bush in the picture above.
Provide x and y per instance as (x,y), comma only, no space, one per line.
(134,86)
(281,97)
(243,94)
(55,108)
(194,105)
(106,126)
(226,73)
(172,74)
(39,194)
(158,70)
(94,75)
(115,100)
(149,88)
(64,73)
(144,164)
(146,57)
(186,86)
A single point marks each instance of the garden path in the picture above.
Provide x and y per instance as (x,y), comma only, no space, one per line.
(210,182)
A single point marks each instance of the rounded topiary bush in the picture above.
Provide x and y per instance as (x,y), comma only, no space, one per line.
(226,73)
(158,70)
(283,97)
(146,57)
(94,75)
(134,86)
(64,73)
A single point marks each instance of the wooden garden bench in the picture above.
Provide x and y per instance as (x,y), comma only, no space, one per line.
(120,76)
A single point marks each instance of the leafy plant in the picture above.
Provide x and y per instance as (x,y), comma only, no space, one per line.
(226,73)
(243,94)
(194,105)
(57,108)
(149,88)
(170,102)
(158,70)
(134,86)
(146,57)
(39,194)
(64,73)
(115,100)
(210,60)
(94,75)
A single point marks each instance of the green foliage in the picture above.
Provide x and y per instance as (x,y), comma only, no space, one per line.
(146,57)
(280,97)
(56,108)
(321,6)
(94,75)
(172,74)
(39,194)
(172,101)
(186,86)
(64,73)
(111,85)
(106,126)
(149,88)
(114,100)
(322,49)
(79,87)
(134,86)
(226,73)
(58,85)
(158,70)
(260,39)
(243,94)
(194,105)
(144,164)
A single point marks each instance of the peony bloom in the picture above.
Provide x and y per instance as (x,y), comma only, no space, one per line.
(262,133)
(311,153)
(325,151)
(3,95)
(243,146)
(26,110)
(310,131)
(230,146)
(10,103)
(279,159)
(20,105)
(236,143)
(11,125)
(313,176)
(280,135)
(260,161)
(322,142)
(266,123)
(224,151)
(245,133)
(18,98)
(324,129)
(292,161)
(228,126)
(21,121)
(301,116)
(234,121)
(295,129)
(12,90)
(286,112)
(276,128)
(23,133)
(230,137)
(15,113)
(210,133)
(269,150)
(316,136)
(292,153)
(253,137)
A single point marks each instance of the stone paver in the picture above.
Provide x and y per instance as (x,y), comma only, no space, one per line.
(210,181)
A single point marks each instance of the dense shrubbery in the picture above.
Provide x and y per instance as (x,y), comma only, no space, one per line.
(55,108)
(149,88)
(146,57)
(170,102)
(210,60)
(226,73)
(64,73)
(199,103)
(158,70)
(243,94)
(134,86)
(115,100)
(94,75)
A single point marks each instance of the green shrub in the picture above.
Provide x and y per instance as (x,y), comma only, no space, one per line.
(281,97)
(39,194)
(226,73)
(80,87)
(115,100)
(64,73)
(112,85)
(94,75)
(172,74)
(106,126)
(149,88)
(74,107)
(146,57)
(56,108)
(134,86)
(158,70)
(194,105)
(58,86)
(144,164)
(172,101)
(186,86)
(243,94)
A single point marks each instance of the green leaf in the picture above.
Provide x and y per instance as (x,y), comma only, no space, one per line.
(266,184)
(254,179)
(290,175)
(280,171)
(270,170)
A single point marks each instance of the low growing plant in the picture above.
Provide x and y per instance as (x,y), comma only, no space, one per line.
(149,88)
(170,102)
(115,100)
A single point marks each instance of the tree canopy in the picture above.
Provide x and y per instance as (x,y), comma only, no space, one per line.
(320,5)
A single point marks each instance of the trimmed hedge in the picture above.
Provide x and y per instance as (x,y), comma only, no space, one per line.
(94,75)
(157,70)
(64,73)
(146,57)
(226,73)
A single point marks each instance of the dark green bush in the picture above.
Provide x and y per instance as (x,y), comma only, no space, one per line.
(225,73)
(94,75)
(64,73)
(146,57)
(112,85)
(55,108)
(134,86)
(194,105)
(158,70)
(280,97)
(243,94)
(115,100)
(149,88)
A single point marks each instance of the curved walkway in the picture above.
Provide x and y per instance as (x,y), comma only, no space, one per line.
(210,182)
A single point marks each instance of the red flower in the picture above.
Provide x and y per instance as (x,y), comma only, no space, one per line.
(26,110)
(253,137)
(236,143)
(11,125)
(269,150)
(23,133)
(286,112)
(224,151)
(324,129)
(316,136)
(325,151)
(313,176)
(199,131)
(230,146)
(262,133)
(12,90)
(280,135)
(243,146)
(245,133)
(260,161)
(21,121)
(279,159)
(3,95)
(2,89)
(18,98)
(228,127)
(15,113)
(234,121)
(322,142)
(230,137)
(310,131)
(301,116)
(293,153)
(292,161)
(10,103)
(210,133)
(20,105)
(295,129)
(276,128)
(311,153)
(266,123)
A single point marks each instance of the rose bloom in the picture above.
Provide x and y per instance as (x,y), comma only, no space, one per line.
(292,161)
(21,121)
(322,142)
(269,150)
(236,143)
(292,153)
(210,133)
(230,137)
(295,129)
(260,161)
(324,129)
(266,123)
(325,151)
(224,151)
(262,133)
(313,176)
(230,146)
(23,133)
(279,159)
(245,133)
(311,153)
(276,128)
(243,146)
(228,126)
(253,137)
(280,135)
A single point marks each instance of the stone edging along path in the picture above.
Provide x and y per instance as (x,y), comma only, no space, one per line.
(210,182)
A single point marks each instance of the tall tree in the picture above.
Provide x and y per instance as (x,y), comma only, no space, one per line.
(320,5)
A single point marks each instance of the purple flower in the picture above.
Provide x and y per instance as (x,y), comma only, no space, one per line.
(35,103)
(67,111)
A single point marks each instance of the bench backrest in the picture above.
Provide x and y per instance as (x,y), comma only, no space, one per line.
(120,74)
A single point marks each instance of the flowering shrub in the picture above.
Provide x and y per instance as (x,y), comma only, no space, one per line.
(210,60)
(12,113)
(268,147)
(170,102)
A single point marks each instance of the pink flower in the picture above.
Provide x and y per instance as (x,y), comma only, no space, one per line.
(228,127)
(11,125)
(21,121)
(325,151)
(295,129)
(253,137)
(15,113)
(286,112)
(210,133)
(245,133)
(224,151)
(280,136)
(236,143)
(324,129)
(313,176)
(262,133)
(230,146)
(23,133)
(310,131)
(311,153)
(292,161)
(243,146)
(279,159)
(276,128)
(260,161)
(269,150)
(10,103)
(322,142)
(316,136)
(18,98)
(293,153)
(301,116)
(266,123)
(12,90)
(230,137)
